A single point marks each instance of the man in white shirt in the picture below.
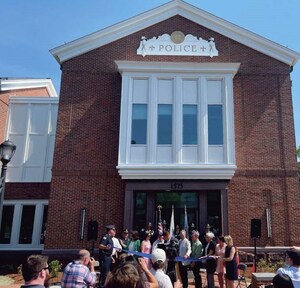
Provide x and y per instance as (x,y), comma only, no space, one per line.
(292,259)
(185,251)
(114,256)
(159,240)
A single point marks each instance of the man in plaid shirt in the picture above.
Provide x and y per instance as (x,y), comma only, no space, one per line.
(80,272)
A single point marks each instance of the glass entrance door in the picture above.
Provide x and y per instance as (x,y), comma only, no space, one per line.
(179,200)
(203,207)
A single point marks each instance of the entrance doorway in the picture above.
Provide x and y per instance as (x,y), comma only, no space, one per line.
(202,207)
(206,203)
(180,201)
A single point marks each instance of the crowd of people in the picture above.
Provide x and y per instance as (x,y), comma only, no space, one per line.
(156,260)
(184,251)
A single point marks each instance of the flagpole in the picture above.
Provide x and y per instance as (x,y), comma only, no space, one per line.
(186,223)
(172,225)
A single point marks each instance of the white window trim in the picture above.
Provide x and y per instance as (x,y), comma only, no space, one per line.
(152,170)
(15,233)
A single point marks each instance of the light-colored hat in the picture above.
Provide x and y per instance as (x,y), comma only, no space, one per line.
(158,255)
(210,235)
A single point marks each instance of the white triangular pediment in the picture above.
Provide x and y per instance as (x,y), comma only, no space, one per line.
(164,12)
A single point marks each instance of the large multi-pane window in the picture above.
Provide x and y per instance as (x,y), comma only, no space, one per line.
(189,125)
(164,124)
(139,124)
(23,223)
(215,125)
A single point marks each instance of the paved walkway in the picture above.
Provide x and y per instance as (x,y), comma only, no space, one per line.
(177,284)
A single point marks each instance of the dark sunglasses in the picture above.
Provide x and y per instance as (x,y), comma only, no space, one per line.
(46,268)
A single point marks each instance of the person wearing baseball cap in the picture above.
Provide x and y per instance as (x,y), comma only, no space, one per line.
(124,240)
(158,259)
(105,249)
(292,259)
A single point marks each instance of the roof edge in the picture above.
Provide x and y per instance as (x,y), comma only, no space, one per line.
(163,12)
(22,83)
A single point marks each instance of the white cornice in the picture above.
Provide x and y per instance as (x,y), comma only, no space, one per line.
(27,100)
(177,67)
(16,84)
(176,171)
(161,13)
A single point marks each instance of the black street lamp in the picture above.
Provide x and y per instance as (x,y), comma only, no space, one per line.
(7,151)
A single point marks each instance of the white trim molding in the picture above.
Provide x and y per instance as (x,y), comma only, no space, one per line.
(177,84)
(177,171)
(178,67)
(164,12)
(30,100)
(7,84)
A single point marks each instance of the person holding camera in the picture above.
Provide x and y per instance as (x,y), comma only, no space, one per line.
(80,272)
(171,253)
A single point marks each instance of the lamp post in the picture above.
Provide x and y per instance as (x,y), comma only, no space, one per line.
(7,151)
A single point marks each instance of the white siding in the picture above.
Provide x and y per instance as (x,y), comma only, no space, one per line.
(32,128)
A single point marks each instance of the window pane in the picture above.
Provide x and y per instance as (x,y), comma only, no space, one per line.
(140,210)
(43,231)
(139,124)
(179,200)
(190,124)
(214,211)
(164,124)
(6,227)
(215,125)
(26,229)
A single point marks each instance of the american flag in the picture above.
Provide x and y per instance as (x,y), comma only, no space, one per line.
(159,228)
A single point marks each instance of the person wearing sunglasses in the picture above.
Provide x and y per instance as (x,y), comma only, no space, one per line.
(35,271)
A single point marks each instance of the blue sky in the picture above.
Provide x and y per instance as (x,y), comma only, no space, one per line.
(30,28)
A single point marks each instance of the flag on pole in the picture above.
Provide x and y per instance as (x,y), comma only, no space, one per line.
(186,223)
(172,225)
(160,229)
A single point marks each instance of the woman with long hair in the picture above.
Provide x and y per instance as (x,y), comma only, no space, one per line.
(134,242)
(220,251)
(230,262)
(146,248)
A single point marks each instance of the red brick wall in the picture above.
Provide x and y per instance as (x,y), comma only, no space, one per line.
(86,154)
(27,191)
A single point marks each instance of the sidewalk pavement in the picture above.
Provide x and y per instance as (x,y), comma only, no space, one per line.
(177,284)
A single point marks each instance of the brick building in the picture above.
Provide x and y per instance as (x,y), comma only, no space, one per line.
(141,124)
(174,107)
